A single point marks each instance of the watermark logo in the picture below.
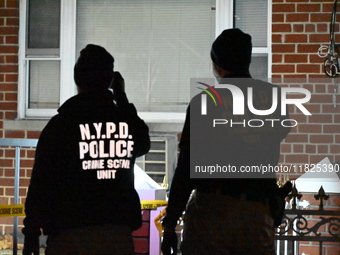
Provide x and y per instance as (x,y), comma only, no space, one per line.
(239,99)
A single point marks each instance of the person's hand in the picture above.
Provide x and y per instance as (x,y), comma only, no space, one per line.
(31,245)
(169,243)
(118,83)
(118,86)
(278,203)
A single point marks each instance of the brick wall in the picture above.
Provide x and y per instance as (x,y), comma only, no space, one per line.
(299,28)
(9,24)
(9,27)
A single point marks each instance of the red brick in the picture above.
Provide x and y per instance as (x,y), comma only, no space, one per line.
(11,39)
(11,78)
(320,17)
(277,18)
(295,76)
(333,250)
(335,149)
(9,30)
(323,149)
(322,38)
(313,108)
(283,68)
(285,148)
(327,7)
(281,28)
(283,48)
(321,138)
(7,12)
(295,58)
(316,59)
(11,115)
(6,162)
(7,182)
(27,163)
(15,134)
(308,68)
(310,249)
(277,58)
(11,96)
(309,28)
(297,148)
(296,158)
(298,138)
(330,109)
(308,7)
(11,59)
(331,129)
(9,68)
(301,118)
(297,28)
(283,8)
(322,28)
(316,98)
(320,118)
(295,38)
(13,3)
(12,21)
(299,17)
(7,105)
(277,38)
(309,128)
(33,134)
(310,148)
(308,48)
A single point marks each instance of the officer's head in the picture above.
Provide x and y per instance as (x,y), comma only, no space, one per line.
(231,51)
(94,68)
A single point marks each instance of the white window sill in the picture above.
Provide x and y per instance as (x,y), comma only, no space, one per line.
(157,122)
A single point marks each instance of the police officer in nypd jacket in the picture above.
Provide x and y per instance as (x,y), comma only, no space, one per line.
(81,193)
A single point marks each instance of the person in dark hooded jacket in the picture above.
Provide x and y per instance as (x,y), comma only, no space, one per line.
(235,212)
(81,193)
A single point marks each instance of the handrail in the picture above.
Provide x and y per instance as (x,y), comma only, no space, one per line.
(17,143)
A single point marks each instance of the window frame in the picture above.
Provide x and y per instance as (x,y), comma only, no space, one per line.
(224,20)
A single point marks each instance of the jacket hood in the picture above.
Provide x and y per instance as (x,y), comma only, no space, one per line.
(87,102)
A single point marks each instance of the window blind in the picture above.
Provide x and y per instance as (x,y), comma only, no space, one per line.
(157,45)
(251,17)
(43,24)
(44,80)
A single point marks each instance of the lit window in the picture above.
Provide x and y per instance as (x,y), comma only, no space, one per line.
(157,45)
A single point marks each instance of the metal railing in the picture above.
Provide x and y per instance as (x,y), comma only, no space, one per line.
(18,144)
(297,226)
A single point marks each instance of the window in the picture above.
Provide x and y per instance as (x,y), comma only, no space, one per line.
(253,18)
(158,46)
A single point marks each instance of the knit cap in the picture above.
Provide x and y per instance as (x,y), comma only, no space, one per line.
(231,51)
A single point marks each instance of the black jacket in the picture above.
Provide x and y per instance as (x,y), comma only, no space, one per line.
(83,172)
(238,146)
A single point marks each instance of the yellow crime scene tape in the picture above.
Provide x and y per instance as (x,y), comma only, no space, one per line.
(19,210)
(12,210)
(152,204)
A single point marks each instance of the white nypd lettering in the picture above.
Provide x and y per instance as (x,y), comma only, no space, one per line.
(105,145)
